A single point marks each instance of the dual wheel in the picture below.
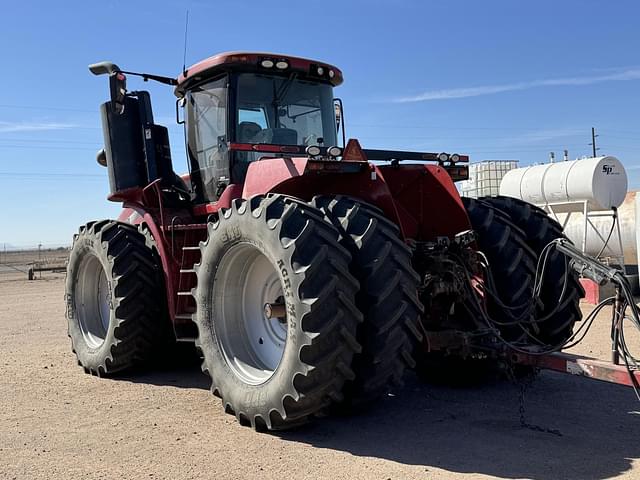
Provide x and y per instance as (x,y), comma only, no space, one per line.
(513,235)
(301,307)
(115,298)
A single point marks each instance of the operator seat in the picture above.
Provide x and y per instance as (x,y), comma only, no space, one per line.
(277,136)
(247,131)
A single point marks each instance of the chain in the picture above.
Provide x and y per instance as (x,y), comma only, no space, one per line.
(524,383)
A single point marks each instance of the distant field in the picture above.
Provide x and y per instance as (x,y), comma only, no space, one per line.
(14,265)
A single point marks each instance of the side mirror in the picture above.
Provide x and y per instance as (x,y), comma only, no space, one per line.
(339,111)
(101,157)
(102,68)
(180,103)
(117,83)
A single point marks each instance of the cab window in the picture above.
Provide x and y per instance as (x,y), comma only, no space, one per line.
(207,137)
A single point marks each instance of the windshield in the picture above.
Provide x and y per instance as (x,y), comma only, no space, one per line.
(284,111)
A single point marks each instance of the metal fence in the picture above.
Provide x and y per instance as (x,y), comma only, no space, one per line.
(16,264)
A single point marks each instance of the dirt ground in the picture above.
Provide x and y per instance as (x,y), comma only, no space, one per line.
(57,422)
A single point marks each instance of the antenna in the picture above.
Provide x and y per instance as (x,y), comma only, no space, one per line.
(184,54)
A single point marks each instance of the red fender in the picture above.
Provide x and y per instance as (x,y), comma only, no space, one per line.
(421,199)
(137,215)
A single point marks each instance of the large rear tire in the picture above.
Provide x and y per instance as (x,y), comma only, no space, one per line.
(540,230)
(387,298)
(512,263)
(114,297)
(275,372)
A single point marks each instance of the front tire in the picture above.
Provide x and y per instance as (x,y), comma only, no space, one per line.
(115,298)
(275,372)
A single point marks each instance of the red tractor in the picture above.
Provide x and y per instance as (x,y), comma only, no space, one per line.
(309,272)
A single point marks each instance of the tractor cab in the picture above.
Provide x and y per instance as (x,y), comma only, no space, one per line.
(243,107)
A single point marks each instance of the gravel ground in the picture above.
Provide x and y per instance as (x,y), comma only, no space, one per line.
(57,422)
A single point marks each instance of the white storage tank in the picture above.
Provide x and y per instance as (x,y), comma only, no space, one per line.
(600,181)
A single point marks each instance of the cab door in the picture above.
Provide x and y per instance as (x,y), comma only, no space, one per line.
(207,138)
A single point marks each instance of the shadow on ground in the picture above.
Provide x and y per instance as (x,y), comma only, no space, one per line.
(182,370)
(477,430)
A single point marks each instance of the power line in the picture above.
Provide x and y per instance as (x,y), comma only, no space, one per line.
(50,174)
(447,127)
(39,107)
(52,140)
(48,147)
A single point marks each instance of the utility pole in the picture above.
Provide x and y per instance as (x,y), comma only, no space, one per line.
(593,141)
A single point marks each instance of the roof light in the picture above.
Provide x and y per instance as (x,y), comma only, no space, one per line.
(313,150)
(334,151)
(331,74)
(455,158)
(443,157)
(267,63)
(282,64)
(320,71)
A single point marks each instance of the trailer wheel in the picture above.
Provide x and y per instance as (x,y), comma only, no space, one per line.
(275,312)
(539,230)
(114,298)
(387,298)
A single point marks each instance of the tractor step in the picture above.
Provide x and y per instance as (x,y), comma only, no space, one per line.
(187,270)
(190,248)
(184,316)
(184,294)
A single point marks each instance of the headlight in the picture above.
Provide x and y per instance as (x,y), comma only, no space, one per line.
(334,151)
(443,157)
(313,150)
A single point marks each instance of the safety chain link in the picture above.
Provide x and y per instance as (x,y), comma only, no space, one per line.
(523,383)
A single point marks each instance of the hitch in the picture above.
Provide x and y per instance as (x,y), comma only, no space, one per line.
(581,366)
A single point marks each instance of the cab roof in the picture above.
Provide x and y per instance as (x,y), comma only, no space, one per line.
(258,62)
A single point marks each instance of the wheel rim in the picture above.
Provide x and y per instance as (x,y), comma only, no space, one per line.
(92,302)
(252,343)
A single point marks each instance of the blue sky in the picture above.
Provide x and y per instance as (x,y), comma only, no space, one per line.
(494,79)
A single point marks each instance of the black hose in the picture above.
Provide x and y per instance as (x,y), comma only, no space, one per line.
(613,225)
